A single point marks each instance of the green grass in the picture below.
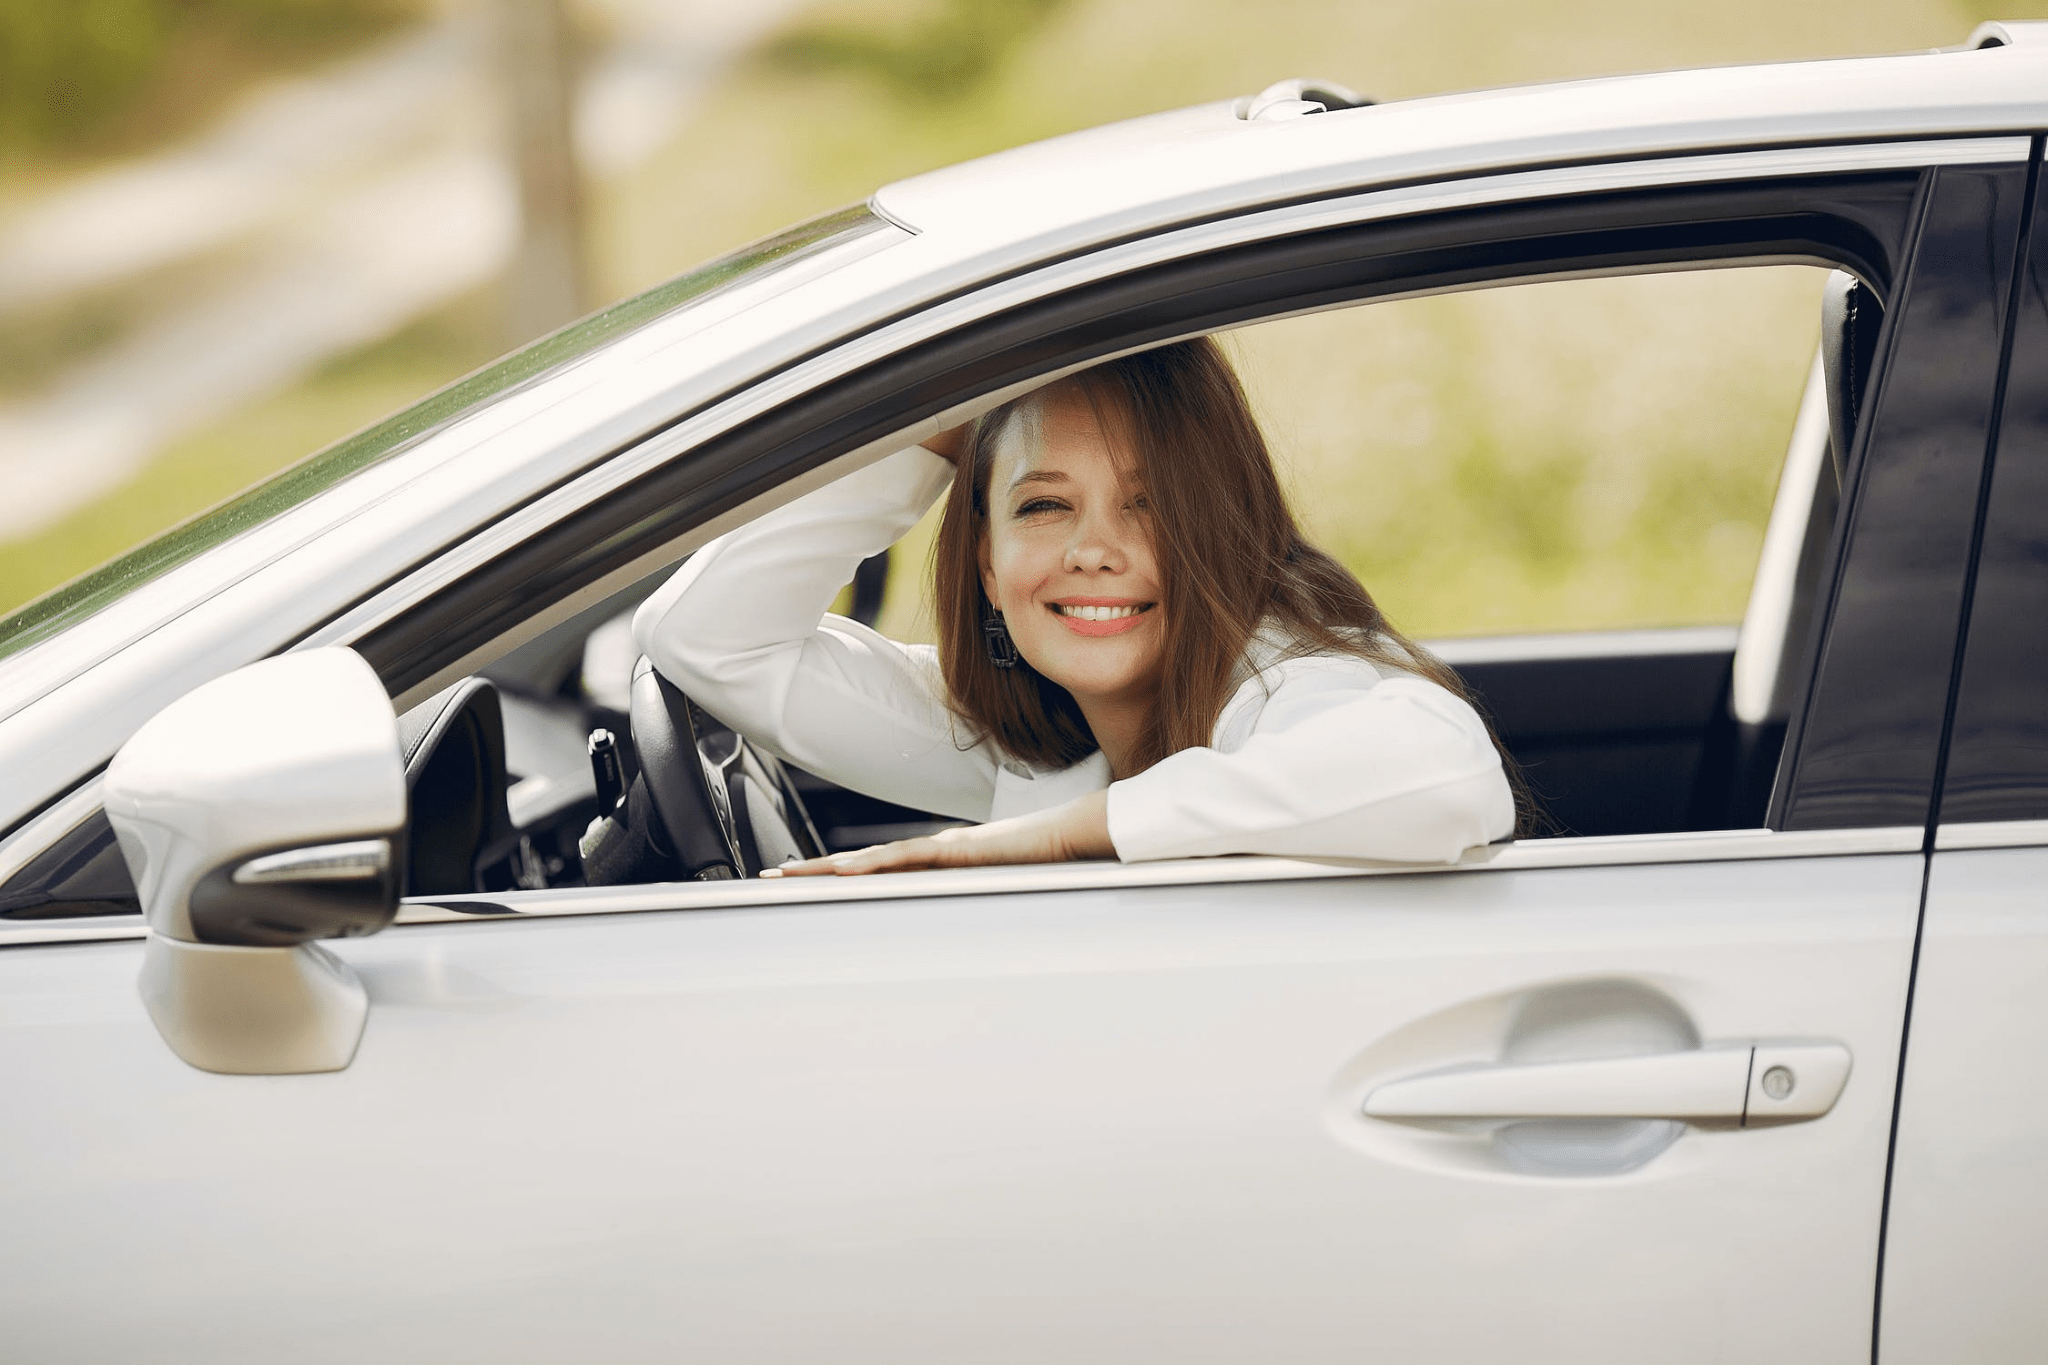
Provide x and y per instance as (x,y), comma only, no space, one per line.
(1621,480)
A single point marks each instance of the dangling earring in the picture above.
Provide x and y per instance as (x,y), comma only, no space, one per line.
(1002,650)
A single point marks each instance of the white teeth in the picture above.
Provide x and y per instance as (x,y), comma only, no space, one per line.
(1098,613)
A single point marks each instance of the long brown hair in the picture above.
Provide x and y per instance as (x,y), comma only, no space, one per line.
(1231,556)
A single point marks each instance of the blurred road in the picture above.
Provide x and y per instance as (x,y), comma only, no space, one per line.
(321,215)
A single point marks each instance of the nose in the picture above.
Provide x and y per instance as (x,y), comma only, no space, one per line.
(1098,544)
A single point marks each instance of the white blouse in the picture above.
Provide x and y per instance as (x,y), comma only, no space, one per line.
(1315,756)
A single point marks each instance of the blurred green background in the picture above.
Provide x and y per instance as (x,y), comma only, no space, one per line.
(1618,478)
(85,79)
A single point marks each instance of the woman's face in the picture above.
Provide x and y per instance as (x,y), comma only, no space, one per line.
(1068,554)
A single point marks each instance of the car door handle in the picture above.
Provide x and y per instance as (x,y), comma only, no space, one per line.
(1743,1083)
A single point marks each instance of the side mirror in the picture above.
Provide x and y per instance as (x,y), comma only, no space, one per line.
(259,812)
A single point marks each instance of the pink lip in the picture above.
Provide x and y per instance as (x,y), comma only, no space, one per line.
(1116,626)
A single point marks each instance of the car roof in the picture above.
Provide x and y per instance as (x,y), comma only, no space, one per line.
(1138,175)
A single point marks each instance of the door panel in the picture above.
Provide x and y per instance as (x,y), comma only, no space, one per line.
(1109,1124)
(1969,1196)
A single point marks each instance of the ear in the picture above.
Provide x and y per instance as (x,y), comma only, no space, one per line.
(984,559)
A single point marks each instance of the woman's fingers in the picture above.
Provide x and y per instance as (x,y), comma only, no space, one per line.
(1079,829)
(902,856)
(807,867)
(948,444)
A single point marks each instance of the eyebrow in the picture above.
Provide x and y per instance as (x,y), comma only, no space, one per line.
(1038,476)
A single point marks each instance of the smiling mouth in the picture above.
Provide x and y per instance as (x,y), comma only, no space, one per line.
(1085,612)
(1098,618)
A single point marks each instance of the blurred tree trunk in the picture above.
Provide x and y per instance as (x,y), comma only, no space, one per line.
(547,287)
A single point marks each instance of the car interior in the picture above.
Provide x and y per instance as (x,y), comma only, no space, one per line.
(569,761)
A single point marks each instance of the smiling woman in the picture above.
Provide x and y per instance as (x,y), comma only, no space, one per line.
(1140,655)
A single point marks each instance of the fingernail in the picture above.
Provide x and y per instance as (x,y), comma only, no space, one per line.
(771,872)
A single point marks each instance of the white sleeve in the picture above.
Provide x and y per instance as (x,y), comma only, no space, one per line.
(742,628)
(1341,763)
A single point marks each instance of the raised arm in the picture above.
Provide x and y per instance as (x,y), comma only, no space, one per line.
(743,628)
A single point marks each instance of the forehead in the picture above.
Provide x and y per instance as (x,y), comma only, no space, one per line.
(1064,433)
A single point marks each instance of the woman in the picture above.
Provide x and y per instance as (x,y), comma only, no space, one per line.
(1139,656)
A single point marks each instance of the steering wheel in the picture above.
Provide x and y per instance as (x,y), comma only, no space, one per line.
(728,809)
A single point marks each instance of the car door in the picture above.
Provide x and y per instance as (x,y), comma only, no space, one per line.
(1096,1112)
(1969,1192)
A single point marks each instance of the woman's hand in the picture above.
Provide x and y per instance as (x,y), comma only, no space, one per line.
(947,445)
(1079,829)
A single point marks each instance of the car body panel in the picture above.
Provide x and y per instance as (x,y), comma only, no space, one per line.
(1088,1125)
(1969,1186)
(1969,1190)
(1139,176)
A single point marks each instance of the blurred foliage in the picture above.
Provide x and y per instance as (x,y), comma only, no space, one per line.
(937,56)
(215,464)
(176,480)
(74,73)
(1565,455)
(36,345)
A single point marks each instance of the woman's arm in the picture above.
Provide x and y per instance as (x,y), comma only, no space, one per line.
(742,628)
(1341,764)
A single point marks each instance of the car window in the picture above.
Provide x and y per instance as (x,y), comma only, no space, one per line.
(1565,487)
(1577,455)
(83,596)
(1573,455)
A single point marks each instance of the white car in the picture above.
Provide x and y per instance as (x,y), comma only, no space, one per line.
(1747,1065)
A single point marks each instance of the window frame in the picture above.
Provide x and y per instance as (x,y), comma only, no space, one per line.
(1869,725)
(721,468)
(712,469)
(1995,776)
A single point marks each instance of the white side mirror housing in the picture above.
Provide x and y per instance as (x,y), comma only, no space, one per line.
(261,811)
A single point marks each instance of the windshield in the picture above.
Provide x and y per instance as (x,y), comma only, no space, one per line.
(89,593)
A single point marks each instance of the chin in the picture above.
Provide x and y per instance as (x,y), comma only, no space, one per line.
(1098,676)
